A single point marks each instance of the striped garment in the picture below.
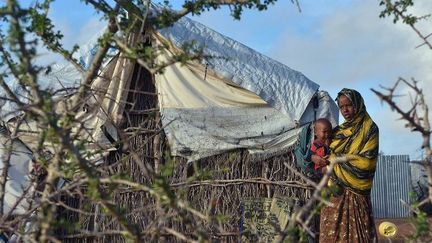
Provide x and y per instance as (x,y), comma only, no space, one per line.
(357,140)
(350,219)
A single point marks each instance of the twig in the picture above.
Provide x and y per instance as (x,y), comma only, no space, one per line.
(399,13)
(223,183)
(297,216)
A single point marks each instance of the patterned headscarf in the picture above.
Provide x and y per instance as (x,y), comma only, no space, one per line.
(357,140)
(355,97)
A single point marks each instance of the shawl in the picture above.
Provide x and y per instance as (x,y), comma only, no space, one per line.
(357,140)
(302,151)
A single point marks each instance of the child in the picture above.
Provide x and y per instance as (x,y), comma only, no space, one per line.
(320,145)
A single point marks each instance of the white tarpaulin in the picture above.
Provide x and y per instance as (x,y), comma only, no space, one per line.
(282,88)
(18,185)
(242,100)
(239,99)
(205,114)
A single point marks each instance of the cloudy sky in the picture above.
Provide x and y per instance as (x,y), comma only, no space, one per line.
(339,43)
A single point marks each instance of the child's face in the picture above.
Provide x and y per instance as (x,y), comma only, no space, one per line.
(322,131)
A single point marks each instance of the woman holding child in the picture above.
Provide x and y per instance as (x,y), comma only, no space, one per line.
(350,219)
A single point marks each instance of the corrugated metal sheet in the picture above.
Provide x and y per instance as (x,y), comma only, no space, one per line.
(392,183)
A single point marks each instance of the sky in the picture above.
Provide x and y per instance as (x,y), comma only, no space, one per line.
(337,44)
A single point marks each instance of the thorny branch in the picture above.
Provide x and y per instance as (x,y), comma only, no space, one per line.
(416,118)
(306,210)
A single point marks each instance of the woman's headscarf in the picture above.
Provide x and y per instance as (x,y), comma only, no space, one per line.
(357,140)
(355,97)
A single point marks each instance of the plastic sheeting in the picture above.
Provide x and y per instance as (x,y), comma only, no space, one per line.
(205,114)
(279,86)
(239,99)
(242,98)
(18,188)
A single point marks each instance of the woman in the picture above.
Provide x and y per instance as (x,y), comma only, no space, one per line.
(350,219)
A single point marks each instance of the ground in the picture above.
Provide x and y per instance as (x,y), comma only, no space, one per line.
(405,229)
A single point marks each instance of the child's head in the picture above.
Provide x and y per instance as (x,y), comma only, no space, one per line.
(323,129)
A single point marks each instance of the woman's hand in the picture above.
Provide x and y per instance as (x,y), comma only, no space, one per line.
(320,161)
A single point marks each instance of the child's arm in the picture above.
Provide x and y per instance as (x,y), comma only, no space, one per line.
(320,161)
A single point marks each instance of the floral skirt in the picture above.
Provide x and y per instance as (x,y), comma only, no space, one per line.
(350,220)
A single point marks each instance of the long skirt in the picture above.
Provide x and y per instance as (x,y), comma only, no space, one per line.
(350,220)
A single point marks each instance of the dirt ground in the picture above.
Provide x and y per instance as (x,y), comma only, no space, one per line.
(405,229)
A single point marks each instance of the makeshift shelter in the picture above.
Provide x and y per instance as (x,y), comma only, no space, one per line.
(19,162)
(236,115)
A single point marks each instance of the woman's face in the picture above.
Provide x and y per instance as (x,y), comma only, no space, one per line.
(346,107)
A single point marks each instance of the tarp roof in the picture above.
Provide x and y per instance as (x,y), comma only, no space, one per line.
(283,88)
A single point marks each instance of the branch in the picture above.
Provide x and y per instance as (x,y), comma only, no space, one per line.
(400,14)
(223,183)
(316,197)
(24,54)
(420,124)
(93,70)
(405,115)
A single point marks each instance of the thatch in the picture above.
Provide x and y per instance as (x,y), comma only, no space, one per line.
(234,180)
